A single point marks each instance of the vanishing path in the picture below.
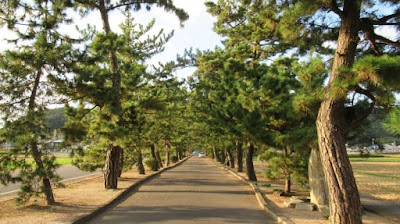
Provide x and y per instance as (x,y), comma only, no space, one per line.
(67,172)
(193,192)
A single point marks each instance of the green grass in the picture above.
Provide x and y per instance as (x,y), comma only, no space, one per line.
(371,155)
(63,161)
(379,175)
(60,160)
(374,158)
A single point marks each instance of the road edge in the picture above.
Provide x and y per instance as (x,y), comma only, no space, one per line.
(260,199)
(87,217)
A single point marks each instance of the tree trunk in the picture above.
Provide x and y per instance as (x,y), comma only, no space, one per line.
(223,157)
(251,174)
(153,151)
(139,164)
(112,166)
(287,179)
(160,164)
(344,200)
(231,158)
(318,189)
(121,163)
(48,191)
(288,184)
(167,160)
(216,156)
(239,156)
(36,154)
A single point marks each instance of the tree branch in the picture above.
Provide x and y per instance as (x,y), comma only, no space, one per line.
(335,8)
(383,20)
(358,89)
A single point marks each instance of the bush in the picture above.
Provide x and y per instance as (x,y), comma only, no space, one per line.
(152,164)
(174,158)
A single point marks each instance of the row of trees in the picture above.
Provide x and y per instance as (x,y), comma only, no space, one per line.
(257,90)
(123,107)
(286,66)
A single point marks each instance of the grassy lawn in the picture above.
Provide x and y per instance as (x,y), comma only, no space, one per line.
(60,159)
(375,158)
(378,176)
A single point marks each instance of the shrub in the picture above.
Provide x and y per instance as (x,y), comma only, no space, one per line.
(174,158)
(152,164)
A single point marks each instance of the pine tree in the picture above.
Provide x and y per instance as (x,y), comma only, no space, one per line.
(108,67)
(270,28)
(29,76)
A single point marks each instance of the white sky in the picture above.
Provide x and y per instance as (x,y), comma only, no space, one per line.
(196,33)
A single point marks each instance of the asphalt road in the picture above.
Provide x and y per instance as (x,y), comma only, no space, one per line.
(194,192)
(67,172)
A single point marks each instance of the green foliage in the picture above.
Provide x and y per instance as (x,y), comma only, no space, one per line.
(174,159)
(152,164)
(392,123)
(281,166)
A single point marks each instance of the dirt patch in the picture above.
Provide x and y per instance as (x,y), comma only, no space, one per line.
(72,202)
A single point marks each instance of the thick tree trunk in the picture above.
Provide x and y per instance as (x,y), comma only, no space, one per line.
(231,158)
(318,189)
(251,174)
(344,200)
(239,156)
(139,164)
(112,167)
(216,155)
(160,164)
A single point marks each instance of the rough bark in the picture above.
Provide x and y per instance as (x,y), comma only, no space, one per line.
(251,175)
(344,200)
(112,166)
(139,164)
(239,156)
(318,189)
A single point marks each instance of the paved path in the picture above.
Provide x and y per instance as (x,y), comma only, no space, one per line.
(194,192)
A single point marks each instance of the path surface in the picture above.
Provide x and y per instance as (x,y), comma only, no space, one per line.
(67,172)
(194,192)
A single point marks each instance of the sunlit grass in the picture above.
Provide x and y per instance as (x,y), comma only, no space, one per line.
(378,178)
